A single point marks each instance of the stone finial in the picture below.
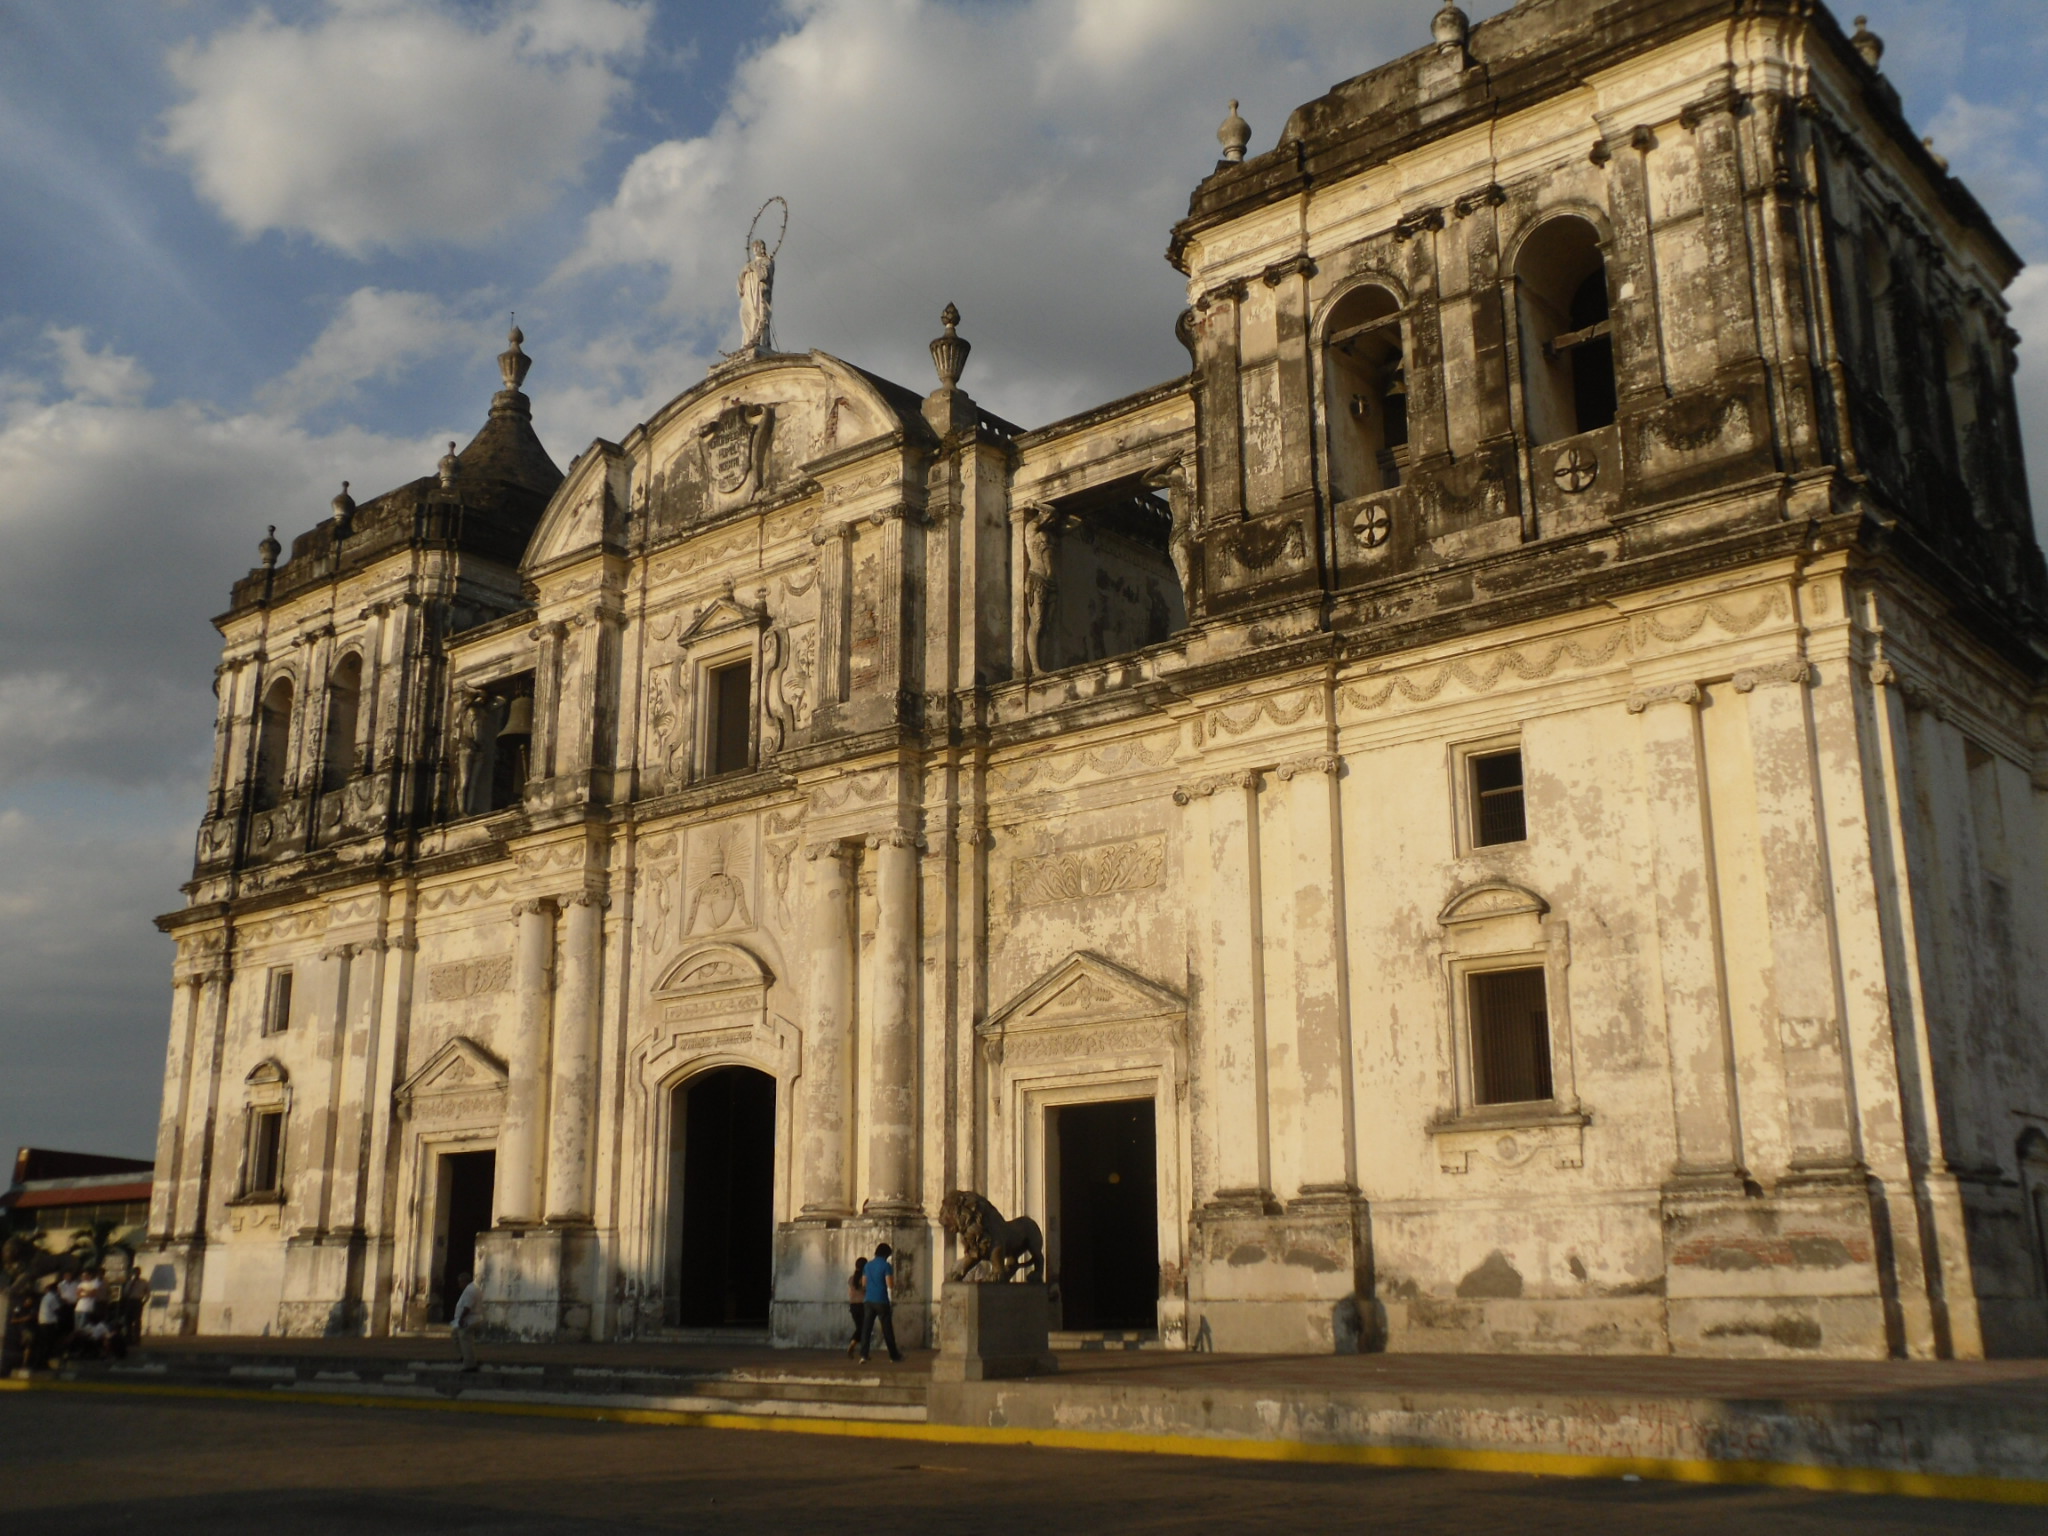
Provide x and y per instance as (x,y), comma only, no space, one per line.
(269,549)
(1234,135)
(1867,42)
(949,352)
(513,362)
(344,510)
(451,468)
(1451,26)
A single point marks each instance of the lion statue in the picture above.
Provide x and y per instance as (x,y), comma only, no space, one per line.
(986,1238)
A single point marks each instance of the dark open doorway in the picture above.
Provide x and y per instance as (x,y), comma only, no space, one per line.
(1108,1215)
(724,1206)
(467,1181)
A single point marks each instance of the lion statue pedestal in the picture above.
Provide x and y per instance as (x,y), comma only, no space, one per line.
(989,1330)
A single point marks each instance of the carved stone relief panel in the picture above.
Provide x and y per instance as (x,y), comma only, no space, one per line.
(721,879)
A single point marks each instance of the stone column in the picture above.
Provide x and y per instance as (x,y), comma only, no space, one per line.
(1233,1028)
(518,1183)
(318,1104)
(572,1150)
(1803,965)
(892,1094)
(202,1103)
(827,1159)
(1688,935)
(1322,1025)
(1222,468)
(834,601)
(178,1052)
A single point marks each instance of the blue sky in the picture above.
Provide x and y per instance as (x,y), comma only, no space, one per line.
(251,251)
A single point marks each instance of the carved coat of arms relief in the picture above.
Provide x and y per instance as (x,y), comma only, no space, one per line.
(734,444)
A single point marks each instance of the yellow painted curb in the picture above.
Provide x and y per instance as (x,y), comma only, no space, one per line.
(1773,1474)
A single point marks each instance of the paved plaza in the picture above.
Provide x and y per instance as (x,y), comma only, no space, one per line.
(85,1464)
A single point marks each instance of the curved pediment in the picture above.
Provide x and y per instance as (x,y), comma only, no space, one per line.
(1494,898)
(588,509)
(267,1073)
(750,433)
(714,968)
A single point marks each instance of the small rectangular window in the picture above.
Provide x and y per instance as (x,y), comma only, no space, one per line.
(732,697)
(1497,811)
(266,1151)
(277,1015)
(1510,1036)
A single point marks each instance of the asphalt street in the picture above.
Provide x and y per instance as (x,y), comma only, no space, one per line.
(80,1464)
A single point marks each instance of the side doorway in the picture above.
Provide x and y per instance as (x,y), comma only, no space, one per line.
(465,1187)
(1105,1215)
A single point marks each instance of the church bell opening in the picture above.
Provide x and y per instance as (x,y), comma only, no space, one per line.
(1107,1219)
(723,1205)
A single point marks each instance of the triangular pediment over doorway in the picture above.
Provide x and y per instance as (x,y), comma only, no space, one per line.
(723,613)
(1085,988)
(460,1066)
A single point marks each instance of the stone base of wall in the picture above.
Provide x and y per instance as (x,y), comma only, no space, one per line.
(174,1272)
(1288,1282)
(323,1283)
(1791,1273)
(1616,1325)
(538,1282)
(813,1261)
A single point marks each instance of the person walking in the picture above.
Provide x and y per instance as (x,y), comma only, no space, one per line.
(459,1324)
(857,1303)
(881,1303)
(49,1329)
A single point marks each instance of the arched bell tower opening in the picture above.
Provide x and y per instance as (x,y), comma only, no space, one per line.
(1365,367)
(1567,332)
(722,1200)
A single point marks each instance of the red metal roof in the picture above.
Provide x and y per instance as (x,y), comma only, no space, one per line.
(76,1194)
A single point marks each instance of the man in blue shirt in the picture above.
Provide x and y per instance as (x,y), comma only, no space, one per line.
(881,1303)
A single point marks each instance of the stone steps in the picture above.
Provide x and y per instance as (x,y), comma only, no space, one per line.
(754,1389)
(1109,1338)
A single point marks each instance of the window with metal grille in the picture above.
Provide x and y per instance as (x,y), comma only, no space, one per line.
(1497,811)
(1510,1036)
(266,1151)
(732,697)
(277,1016)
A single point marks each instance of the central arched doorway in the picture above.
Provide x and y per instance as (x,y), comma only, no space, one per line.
(722,1200)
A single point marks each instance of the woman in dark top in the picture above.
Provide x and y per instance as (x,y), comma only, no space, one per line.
(856,1303)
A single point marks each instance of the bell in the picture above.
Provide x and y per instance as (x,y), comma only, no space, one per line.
(1399,386)
(518,718)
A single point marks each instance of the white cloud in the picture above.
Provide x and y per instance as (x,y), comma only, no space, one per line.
(1026,160)
(104,377)
(387,123)
(124,524)
(377,336)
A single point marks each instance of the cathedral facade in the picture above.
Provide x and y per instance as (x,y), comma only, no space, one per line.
(1504,810)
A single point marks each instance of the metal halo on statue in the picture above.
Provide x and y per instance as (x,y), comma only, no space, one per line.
(781,235)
